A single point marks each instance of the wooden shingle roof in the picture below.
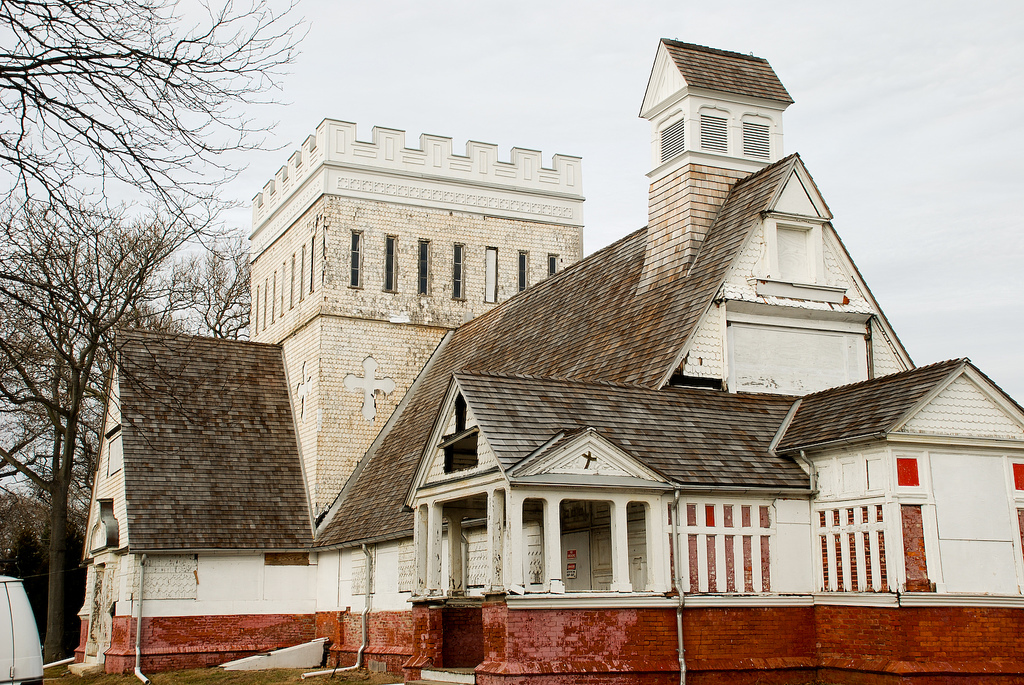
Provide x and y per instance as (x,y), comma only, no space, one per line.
(728,72)
(690,436)
(211,459)
(586,324)
(864,409)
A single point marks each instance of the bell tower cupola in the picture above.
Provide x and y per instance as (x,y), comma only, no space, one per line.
(716,117)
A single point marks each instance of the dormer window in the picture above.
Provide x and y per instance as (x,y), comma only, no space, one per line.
(794,255)
(673,140)
(714,133)
(460,450)
(755,140)
(795,251)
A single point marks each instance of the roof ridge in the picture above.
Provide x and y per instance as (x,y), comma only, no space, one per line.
(553,379)
(716,51)
(899,375)
(126,333)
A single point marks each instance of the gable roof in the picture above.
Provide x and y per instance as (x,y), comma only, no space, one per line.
(587,324)
(863,409)
(727,72)
(209,445)
(690,436)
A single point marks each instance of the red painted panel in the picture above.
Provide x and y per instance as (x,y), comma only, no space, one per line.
(709,515)
(906,472)
(1018,476)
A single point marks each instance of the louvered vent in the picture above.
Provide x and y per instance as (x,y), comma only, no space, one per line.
(755,140)
(712,134)
(672,142)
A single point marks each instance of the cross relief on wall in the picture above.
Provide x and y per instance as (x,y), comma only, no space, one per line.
(369,384)
(303,389)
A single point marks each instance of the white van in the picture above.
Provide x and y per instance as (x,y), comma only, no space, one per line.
(21,658)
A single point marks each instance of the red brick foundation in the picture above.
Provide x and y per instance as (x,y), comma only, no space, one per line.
(783,645)
(390,638)
(178,642)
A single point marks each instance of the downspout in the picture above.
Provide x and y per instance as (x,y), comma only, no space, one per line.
(676,566)
(366,635)
(138,625)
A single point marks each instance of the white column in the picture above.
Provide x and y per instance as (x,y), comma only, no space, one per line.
(515,554)
(553,545)
(456,578)
(421,534)
(620,548)
(496,537)
(434,549)
(654,525)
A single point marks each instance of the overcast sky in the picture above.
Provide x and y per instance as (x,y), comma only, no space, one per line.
(910,117)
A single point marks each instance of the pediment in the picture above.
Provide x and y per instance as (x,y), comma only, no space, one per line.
(799,196)
(664,85)
(586,457)
(967,406)
(795,200)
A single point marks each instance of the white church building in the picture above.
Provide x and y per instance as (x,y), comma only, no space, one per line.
(458,450)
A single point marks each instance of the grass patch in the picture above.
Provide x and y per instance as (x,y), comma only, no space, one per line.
(216,676)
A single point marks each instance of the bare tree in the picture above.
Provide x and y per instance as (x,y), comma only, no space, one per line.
(209,292)
(66,284)
(131,90)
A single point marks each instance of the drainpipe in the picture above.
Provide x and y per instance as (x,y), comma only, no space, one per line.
(366,611)
(138,625)
(676,570)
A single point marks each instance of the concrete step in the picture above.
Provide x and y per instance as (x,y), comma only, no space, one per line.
(460,676)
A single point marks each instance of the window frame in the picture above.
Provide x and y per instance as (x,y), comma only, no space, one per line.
(423,267)
(815,249)
(490,279)
(524,270)
(355,261)
(391,264)
(459,271)
(552,264)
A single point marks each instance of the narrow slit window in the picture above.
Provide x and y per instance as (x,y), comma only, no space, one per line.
(256,311)
(552,264)
(273,297)
(713,133)
(458,271)
(302,274)
(263,316)
(284,267)
(356,275)
(312,260)
(390,264)
(524,270)
(491,276)
(291,290)
(423,272)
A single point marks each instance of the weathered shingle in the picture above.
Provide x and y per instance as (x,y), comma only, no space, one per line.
(692,437)
(729,72)
(587,323)
(862,409)
(210,455)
